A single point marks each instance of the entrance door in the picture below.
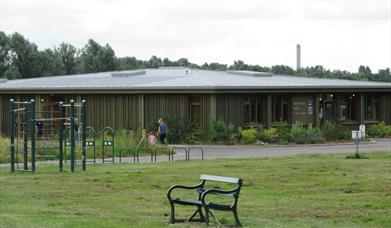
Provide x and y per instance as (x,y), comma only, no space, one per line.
(329,111)
(195,109)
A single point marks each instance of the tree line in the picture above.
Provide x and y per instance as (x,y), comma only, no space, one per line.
(20,58)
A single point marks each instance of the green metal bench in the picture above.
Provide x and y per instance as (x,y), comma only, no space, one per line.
(201,201)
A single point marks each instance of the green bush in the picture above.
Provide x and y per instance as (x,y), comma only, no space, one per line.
(299,133)
(4,149)
(302,135)
(314,135)
(379,130)
(248,136)
(283,132)
(335,131)
(179,128)
(268,135)
(222,133)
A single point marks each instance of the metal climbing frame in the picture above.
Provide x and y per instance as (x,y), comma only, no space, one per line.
(108,141)
(22,126)
(74,133)
(43,137)
(91,143)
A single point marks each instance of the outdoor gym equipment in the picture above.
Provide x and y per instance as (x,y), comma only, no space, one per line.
(43,137)
(108,141)
(91,142)
(22,125)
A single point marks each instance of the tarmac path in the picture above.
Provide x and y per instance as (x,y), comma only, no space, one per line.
(249,151)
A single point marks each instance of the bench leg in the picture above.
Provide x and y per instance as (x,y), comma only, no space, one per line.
(206,216)
(235,212)
(172,216)
(198,211)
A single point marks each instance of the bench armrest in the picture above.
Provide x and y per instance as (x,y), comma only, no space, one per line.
(234,193)
(178,186)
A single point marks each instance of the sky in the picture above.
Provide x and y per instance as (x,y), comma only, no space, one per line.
(338,34)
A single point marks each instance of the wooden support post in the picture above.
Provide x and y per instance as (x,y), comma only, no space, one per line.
(361,108)
(213,108)
(141,111)
(317,107)
(269,110)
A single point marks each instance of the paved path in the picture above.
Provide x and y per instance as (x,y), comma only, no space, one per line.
(278,151)
(241,151)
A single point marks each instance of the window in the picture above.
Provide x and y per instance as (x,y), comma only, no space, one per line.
(371,107)
(252,110)
(280,107)
(347,107)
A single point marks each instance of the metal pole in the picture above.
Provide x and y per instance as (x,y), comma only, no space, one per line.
(357,142)
(32,126)
(84,130)
(12,134)
(25,125)
(103,146)
(72,135)
(61,138)
(113,148)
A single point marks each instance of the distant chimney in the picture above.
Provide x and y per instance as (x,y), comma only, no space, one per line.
(298,57)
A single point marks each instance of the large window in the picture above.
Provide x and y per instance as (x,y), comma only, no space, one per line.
(253,110)
(348,108)
(371,107)
(280,107)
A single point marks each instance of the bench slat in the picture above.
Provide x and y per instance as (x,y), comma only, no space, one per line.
(232,180)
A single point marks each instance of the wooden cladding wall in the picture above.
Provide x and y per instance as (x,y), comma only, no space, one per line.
(156,106)
(230,108)
(175,105)
(116,111)
(123,110)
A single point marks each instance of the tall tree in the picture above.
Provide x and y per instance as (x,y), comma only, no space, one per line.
(95,58)
(68,54)
(128,63)
(282,69)
(24,56)
(4,54)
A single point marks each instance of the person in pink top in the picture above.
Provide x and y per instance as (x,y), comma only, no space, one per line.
(152,138)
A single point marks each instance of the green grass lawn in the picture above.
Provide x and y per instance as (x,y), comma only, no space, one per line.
(297,191)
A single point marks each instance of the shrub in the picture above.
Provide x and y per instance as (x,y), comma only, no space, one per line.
(221,133)
(302,135)
(268,135)
(248,136)
(379,130)
(179,128)
(299,133)
(335,131)
(283,132)
(314,135)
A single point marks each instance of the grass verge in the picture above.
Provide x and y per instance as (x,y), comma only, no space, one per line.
(296,191)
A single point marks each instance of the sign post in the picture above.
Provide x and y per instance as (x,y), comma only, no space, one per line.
(356,135)
(362,129)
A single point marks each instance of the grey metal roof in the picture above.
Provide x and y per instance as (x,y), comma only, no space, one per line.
(181,78)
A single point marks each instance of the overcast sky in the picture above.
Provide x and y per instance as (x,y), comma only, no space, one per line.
(338,34)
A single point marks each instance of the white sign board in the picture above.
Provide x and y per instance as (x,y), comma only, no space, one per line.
(362,129)
(356,134)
